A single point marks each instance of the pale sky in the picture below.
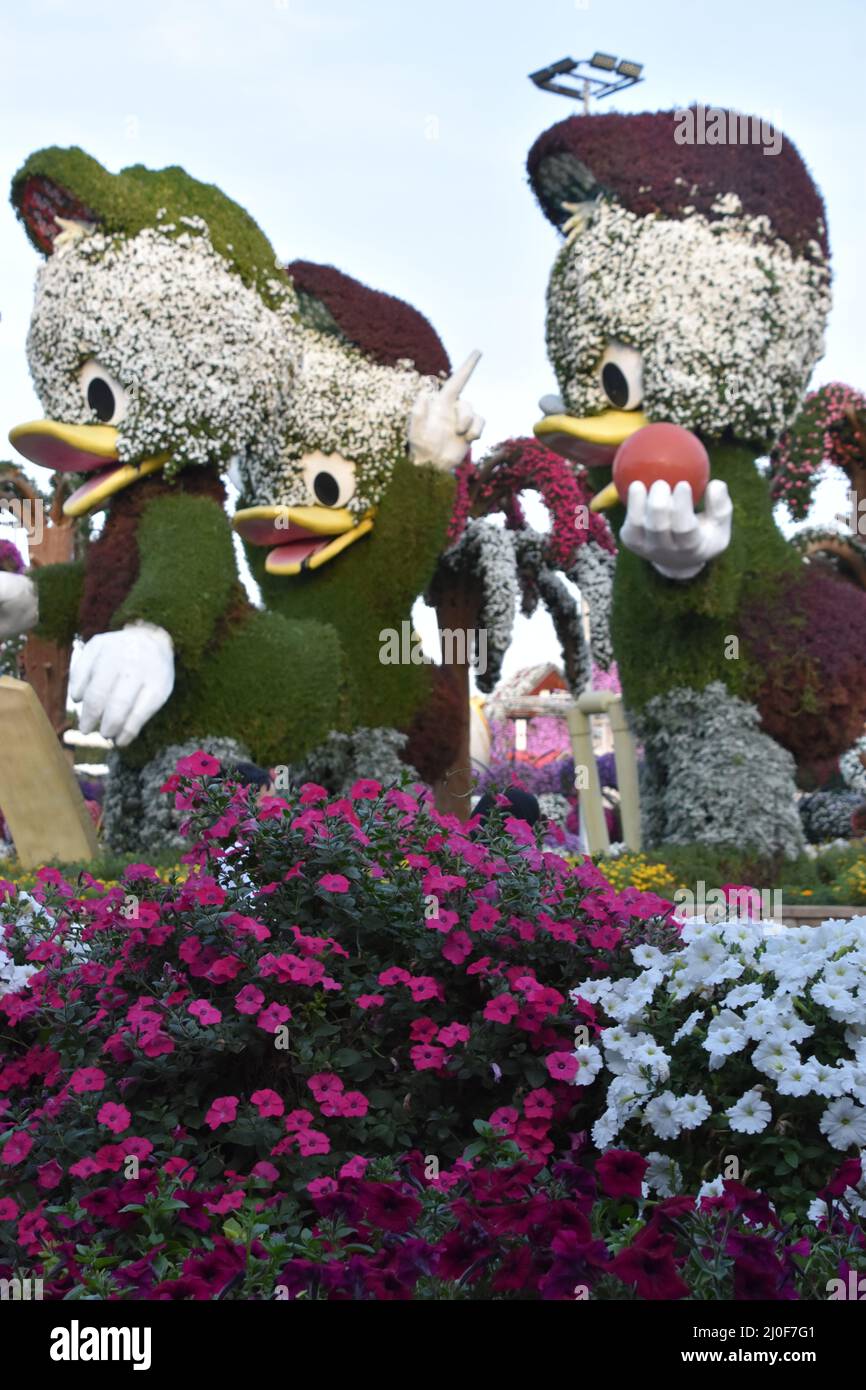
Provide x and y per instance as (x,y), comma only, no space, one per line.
(389,139)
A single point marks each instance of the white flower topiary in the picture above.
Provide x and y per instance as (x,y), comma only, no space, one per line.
(729,322)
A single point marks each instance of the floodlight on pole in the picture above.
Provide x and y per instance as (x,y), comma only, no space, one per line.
(584,84)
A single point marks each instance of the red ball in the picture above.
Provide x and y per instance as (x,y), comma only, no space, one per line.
(662,451)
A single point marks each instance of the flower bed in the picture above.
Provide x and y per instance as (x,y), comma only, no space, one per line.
(339,1061)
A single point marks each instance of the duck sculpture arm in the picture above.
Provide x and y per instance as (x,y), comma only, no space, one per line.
(123,678)
(441,425)
(19,606)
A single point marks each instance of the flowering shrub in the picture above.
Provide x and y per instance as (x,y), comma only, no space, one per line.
(334,982)
(745,1041)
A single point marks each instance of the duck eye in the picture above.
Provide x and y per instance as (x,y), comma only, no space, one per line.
(105,397)
(621,376)
(330,479)
(100,398)
(326,488)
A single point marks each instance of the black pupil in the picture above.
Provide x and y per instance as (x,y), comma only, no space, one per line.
(326,488)
(615,385)
(100,398)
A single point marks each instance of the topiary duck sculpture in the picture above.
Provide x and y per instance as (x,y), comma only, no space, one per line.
(165,342)
(692,291)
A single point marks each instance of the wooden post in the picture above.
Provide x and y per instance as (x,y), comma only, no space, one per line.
(591,809)
(39,796)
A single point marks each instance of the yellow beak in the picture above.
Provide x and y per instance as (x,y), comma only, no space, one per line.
(290,534)
(579,437)
(608,497)
(89,449)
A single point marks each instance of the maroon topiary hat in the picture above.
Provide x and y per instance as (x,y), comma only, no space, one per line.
(636,160)
(385,329)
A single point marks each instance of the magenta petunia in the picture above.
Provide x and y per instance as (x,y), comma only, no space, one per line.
(370,1001)
(115,1117)
(87,1079)
(198,765)
(562,1066)
(268,1103)
(365,789)
(8,1209)
(16,1148)
(204,1012)
(249,1000)
(271,1018)
(502,1009)
(334,883)
(223,1111)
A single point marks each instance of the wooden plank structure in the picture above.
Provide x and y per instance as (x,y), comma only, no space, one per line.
(578,714)
(39,795)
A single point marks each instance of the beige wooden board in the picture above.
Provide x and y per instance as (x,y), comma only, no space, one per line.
(39,795)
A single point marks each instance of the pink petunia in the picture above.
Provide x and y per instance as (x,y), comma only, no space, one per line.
(334,883)
(502,1009)
(324,1083)
(115,1117)
(204,1012)
(8,1209)
(87,1079)
(354,1104)
(562,1066)
(223,1111)
(394,975)
(355,1167)
(49,1175)
(312,1141)
(298,1119)
(198,765)
(268,1103)
(365,789)
(454,1033)
(484,917)
(249,1000)
(423,987)
(370,1001)
(271,1018)
(266,1171)
(322,1187)
(427,1058)
(16,1148)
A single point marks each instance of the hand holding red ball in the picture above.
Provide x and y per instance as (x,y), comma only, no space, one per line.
(666,452)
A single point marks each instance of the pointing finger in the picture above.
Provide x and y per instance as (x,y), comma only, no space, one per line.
(457,381)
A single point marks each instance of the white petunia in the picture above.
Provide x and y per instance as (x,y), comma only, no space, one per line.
(844,1123)
(605,1129)
(694,1109)
(796,1080)
(591,1063)
(663,1116)
(750,1114)
(663,1176)
(686,1029)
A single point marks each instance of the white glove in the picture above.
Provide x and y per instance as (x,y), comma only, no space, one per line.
(664,528)
(122,679)
(441,426)
(19,604)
